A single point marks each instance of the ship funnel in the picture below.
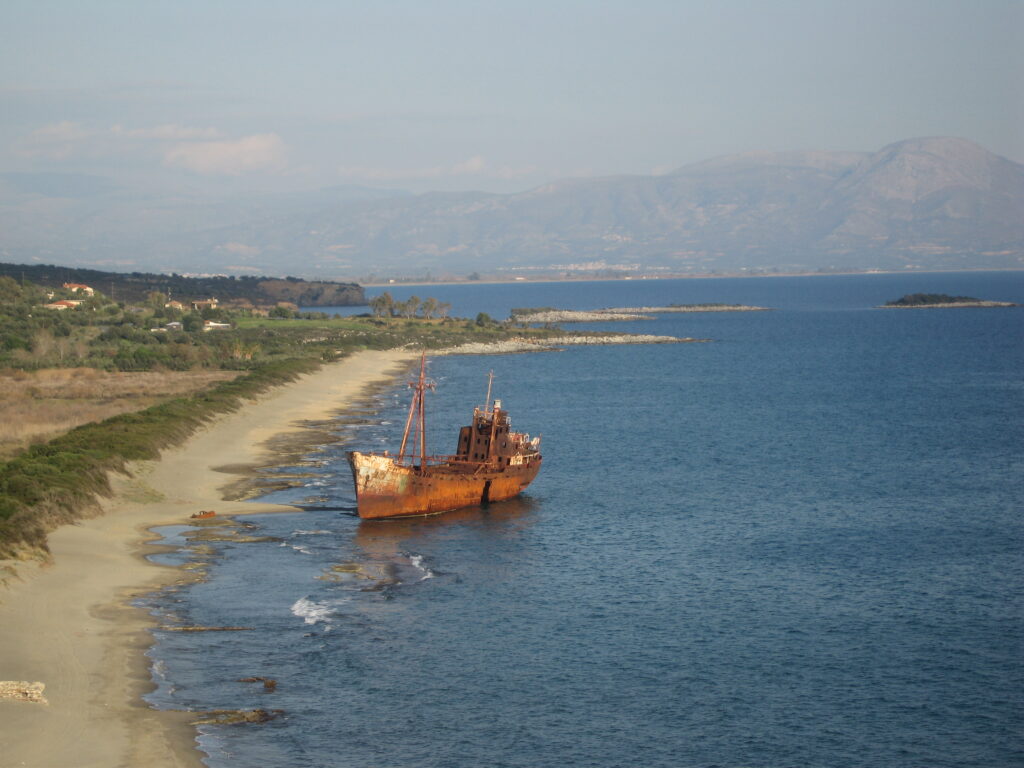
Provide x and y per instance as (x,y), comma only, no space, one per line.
(497,405)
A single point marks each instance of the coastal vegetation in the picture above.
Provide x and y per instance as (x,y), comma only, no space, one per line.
(241,291)
(41,404)
(61,481)
(93,331)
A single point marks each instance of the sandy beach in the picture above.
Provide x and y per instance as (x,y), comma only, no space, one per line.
(69,623)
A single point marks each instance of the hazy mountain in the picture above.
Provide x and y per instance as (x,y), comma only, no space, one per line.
(930,203)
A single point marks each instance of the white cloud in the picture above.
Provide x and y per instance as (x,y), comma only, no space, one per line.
(511,172)
(239,249)
(166,132)
(472,166)
(259,152)
(65,139)
(62,131)
(55,141)
(199,149)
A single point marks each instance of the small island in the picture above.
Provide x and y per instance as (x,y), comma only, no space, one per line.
(552,315)
(940,300)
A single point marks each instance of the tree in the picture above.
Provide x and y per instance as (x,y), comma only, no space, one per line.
(387,304)
(410,306)
(377,306)
(156,299)
(444,308)
(382,305)
(429,307)
(192,322)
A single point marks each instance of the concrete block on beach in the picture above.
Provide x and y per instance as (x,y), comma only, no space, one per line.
(19,690)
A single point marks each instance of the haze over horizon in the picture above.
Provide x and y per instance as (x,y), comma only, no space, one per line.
(257,96)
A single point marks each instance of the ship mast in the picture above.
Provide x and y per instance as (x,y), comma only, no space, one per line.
(417,411)
(487,400)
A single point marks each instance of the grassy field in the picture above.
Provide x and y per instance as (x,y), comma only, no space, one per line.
(60,481)
(37,406)
(338,323)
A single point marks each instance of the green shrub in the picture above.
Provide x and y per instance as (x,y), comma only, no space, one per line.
(61,481)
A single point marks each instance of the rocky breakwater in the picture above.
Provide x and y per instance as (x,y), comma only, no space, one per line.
(623,313)
(576,316)
(684,308)
(557,342)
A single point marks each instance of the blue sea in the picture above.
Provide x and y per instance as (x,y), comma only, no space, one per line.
(798,544)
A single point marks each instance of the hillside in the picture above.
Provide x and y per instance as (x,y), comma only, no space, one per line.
(931,203)
(137,285)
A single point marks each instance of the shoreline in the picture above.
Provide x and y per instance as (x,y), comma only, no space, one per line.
(646,278)
(70,623)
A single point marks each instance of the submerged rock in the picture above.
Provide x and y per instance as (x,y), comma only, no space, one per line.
(206,629)
(269,684)
(233,716)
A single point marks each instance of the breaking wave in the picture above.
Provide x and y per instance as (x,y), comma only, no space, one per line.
(312,612)
(417,563)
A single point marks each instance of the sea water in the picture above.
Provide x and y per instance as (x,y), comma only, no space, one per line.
(798,544)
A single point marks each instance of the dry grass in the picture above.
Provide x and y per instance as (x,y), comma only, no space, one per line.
(40,405)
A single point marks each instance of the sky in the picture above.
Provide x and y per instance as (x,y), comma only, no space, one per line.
(230,95)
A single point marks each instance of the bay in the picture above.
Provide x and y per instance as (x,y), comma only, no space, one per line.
(799,544)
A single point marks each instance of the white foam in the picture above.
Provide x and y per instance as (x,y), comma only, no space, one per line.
(417,563)
(160,669)
(311,612)
(310,533)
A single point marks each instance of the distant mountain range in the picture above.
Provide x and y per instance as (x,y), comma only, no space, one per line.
(929,203)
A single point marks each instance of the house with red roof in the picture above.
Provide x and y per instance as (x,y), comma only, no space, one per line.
(76,287)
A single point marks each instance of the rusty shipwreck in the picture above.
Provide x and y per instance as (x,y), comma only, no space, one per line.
(491,463)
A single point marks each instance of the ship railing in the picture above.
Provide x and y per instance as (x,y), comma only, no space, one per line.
(409,460)
(528,450)
(437,459)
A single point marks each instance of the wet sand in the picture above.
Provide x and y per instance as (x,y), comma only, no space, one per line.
(69,624)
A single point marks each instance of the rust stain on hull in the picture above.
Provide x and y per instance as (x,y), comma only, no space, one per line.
(491,463)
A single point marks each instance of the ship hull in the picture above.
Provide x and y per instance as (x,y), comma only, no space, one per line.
(386,489)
